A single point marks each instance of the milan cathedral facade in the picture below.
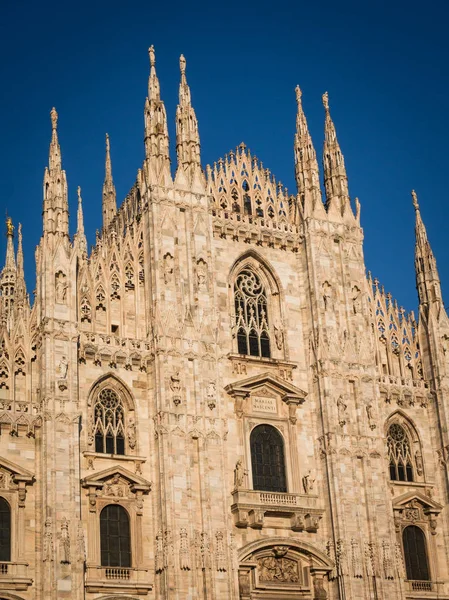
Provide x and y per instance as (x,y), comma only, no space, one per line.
(216,401)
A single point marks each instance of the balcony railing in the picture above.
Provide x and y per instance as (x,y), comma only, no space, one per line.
(118,573)
(420,586)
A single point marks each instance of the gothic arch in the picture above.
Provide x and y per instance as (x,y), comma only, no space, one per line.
(319,558)
(112,419)
(118,385)
(399,417)
(265,329)
(251,259)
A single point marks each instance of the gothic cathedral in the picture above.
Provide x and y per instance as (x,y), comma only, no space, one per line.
(217,402)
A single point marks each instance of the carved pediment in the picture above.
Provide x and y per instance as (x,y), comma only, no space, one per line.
(270,382)
(117,481)
(416,501)
(15,472)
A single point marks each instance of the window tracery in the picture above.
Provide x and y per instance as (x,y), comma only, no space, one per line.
(399,453)
(109,423)
(253,337)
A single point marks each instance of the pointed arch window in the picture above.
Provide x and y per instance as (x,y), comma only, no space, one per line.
(115,539)
(415,554)
(267,459)
(5,531)
(251,315)
(109,423)
(399,453)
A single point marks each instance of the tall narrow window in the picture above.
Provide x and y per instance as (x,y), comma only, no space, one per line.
(251,315)
(5,531)
(115,539)
(401,462)
(267,459)
(109,423)
(415,554)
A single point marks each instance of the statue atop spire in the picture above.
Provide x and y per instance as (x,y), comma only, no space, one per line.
(109,192)
(306,165)
(415,200)
(335,178)
(10,263)
(156,131)
(187,136)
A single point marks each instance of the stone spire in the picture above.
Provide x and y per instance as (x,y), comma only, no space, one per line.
(156,132)
(109,193)
(21,292)
(80,235)
(8,276)
(335,178)
(187,136)
(427,279)
(306,165)
(56,207)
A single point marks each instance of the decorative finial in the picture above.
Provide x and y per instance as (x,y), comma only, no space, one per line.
(415,200)
(9,227)
(79,194)
(298,94)
(152,55)
(54,118)
(182,64)
(326,101)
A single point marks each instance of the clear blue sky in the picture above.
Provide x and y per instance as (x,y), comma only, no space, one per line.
(384,64)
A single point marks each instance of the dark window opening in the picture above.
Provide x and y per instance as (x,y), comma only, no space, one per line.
(115,537)
(267,459)
(5,531)
(415,554)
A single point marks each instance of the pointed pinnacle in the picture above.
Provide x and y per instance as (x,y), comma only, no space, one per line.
(108,165)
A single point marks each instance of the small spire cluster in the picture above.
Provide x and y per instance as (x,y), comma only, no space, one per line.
(12,279)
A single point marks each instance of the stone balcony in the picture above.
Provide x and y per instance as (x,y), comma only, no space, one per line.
(420,589)
(258,509)
(118,580)
(14,576)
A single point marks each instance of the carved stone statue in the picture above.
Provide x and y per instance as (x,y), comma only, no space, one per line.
(279,337)
(239,474)
(356,300)
(168,267)
(60,287)
(419,462)
(65,542)
(63,368)
(341,408)
(328,296)
(308,482)
(201,273)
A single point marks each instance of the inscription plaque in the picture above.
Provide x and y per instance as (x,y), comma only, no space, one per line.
(264,404)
